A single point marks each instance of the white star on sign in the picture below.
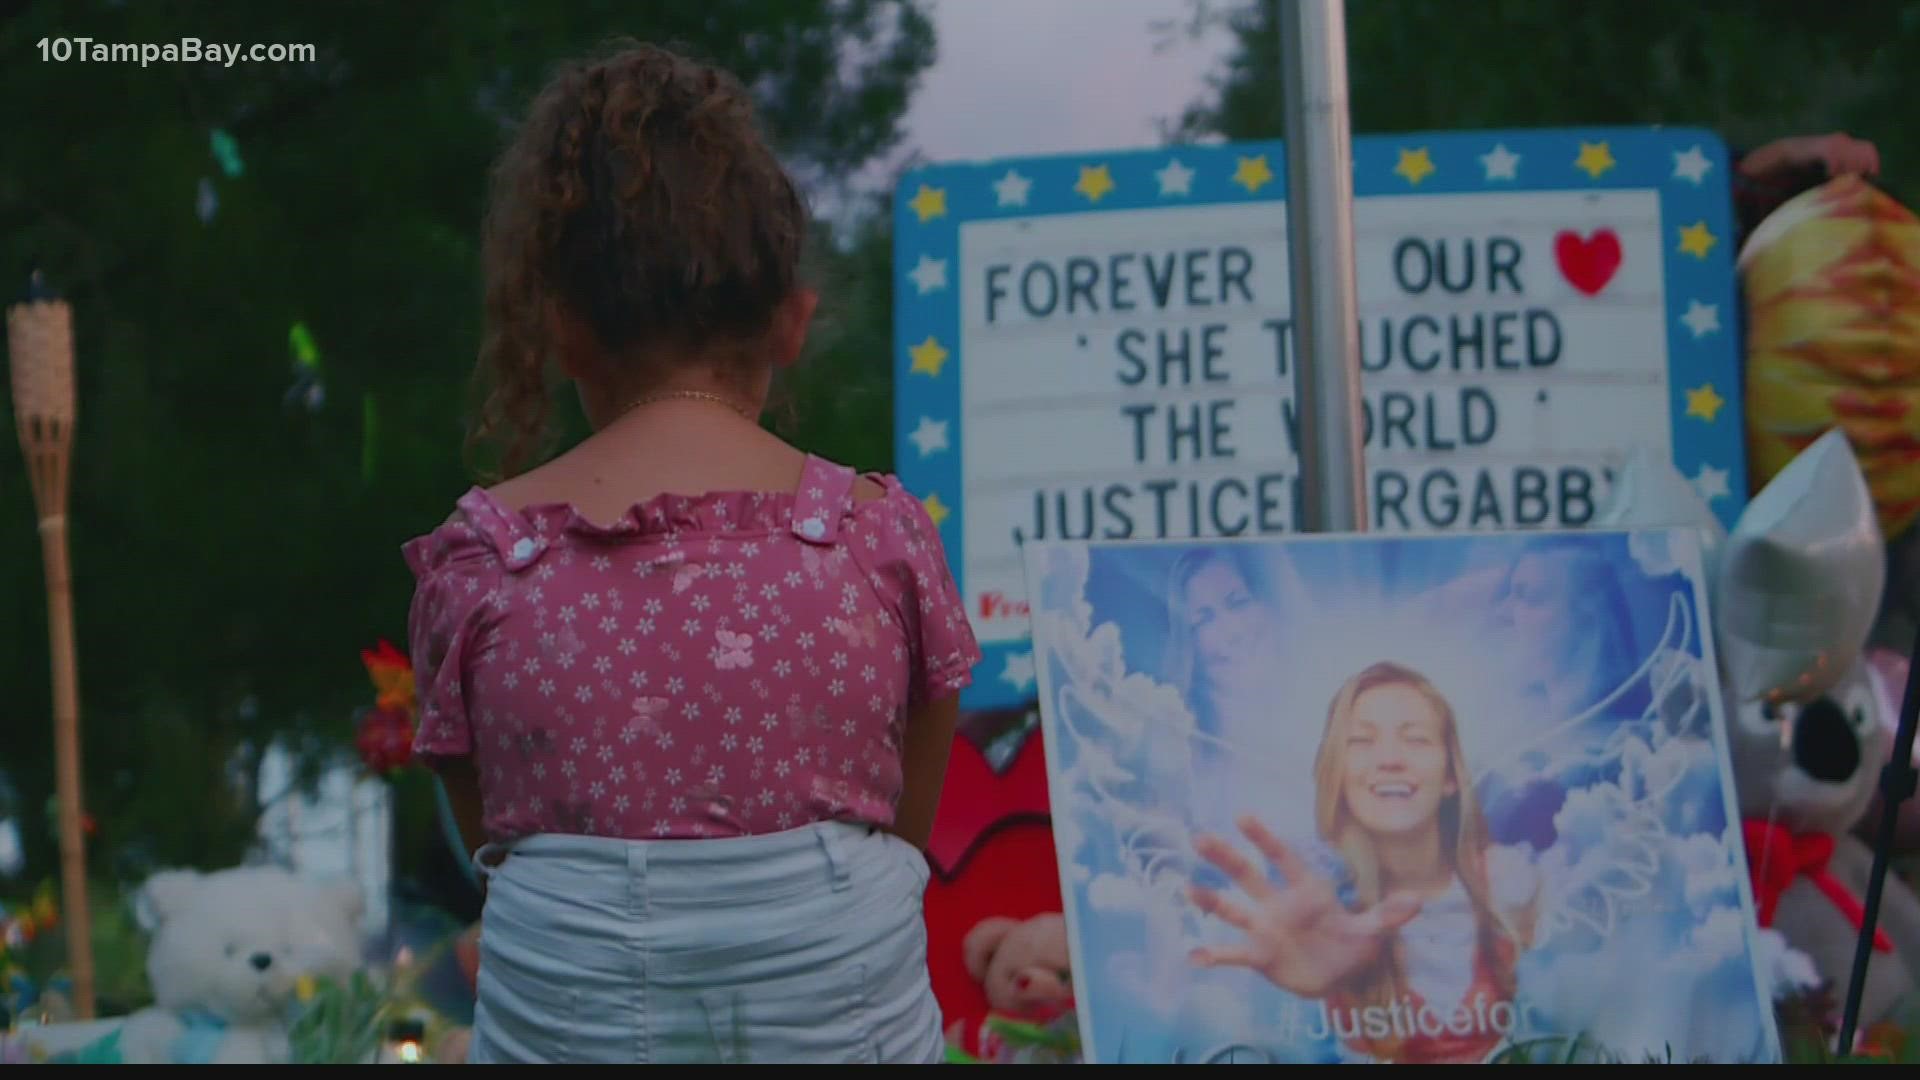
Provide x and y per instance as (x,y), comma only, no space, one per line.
(1175,178)
(1011,189)
(929,274)
(1019,670)
(930,437)
(1711,483)
(1690,164)
(1500,163)
(1702,319)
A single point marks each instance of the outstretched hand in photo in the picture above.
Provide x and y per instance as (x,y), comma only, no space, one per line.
(1299,935)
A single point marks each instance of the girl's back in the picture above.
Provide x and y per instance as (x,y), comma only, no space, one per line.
(736,662)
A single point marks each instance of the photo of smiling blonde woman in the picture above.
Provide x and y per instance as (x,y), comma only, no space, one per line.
(1353,799)
(1410,957)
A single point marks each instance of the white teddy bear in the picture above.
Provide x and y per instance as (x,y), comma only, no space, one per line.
(228,950)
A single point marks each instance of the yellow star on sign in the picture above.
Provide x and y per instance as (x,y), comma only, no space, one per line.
(1415,165)
(1595,158)
(936,509)
(928,356)
(929,203)
(1253,173)
(1696,240)
(1095,181)
(1704,403)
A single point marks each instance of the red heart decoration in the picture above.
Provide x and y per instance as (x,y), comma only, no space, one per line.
(992,855)
(1587,263)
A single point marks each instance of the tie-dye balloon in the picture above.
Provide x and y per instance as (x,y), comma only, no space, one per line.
(1832,283)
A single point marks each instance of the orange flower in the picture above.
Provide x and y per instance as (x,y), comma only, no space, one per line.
(392,675)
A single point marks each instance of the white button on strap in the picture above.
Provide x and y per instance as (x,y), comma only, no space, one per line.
(813,528)
(524,548)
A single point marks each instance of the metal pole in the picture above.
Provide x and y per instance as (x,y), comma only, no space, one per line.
(1326,312)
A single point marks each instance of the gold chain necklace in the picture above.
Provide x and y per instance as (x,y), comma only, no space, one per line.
(687,395)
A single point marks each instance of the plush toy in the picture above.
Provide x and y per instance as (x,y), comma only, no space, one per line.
(1796,586)
(1891,667)
(228,952)
(992,857)
(1023,965)
(1809,870)
(1027,974)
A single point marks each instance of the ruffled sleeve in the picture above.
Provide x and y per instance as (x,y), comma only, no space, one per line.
(942,650)
(456,577)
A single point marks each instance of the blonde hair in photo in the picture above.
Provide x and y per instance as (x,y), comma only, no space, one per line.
(1464,840)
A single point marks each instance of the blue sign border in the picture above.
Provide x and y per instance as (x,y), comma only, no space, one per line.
(1688,167)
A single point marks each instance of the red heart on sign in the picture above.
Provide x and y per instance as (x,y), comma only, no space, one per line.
(1587,264)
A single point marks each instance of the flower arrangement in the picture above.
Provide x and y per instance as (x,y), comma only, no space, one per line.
(1014,1042)
(19,991)
(372,1018)
(384,733)
(340,1024)
(17,928)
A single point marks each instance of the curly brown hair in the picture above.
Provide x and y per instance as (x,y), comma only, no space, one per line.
(639,198)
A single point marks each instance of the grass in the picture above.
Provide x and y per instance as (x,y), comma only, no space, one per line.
(1808,1024)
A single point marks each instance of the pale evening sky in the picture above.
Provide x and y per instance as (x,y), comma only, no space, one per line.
(1055,76)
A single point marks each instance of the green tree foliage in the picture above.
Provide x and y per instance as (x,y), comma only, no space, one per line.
(1751,71)
(231,555)
(839,400)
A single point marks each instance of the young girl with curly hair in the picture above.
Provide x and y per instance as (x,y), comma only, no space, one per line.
(690,689)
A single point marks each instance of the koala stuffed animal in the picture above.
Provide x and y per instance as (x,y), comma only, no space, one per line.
(1809,871)
(1796,588)
(227,952)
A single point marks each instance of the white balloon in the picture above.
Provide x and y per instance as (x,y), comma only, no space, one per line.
(1649,493)
(1800,578)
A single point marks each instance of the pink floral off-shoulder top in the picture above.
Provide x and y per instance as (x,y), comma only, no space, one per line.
(707,666)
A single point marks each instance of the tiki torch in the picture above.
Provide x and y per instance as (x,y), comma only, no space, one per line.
(40,340)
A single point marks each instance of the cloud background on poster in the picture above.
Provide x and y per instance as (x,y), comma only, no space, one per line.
(1642,889)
